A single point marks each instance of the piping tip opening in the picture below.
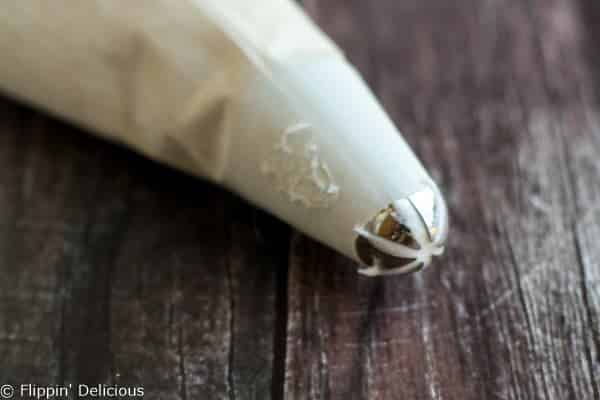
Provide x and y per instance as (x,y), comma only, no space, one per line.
(403,237)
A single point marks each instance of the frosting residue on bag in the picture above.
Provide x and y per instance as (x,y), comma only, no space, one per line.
(298,170)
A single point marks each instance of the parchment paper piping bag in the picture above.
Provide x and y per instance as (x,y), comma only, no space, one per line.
(248,94)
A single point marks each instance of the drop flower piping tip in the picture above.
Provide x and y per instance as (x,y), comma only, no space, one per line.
(405,236)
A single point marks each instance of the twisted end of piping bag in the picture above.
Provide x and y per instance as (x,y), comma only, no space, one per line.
(405,236)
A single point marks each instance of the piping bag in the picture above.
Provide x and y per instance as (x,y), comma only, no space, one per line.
(250,95)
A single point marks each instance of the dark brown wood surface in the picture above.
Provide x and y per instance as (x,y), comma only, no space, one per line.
(118,271)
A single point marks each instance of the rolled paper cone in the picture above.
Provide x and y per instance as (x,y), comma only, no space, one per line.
(248,94)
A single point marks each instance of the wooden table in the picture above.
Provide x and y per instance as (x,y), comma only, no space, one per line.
(118,271)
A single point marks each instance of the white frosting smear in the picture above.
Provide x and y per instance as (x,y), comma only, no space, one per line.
(298,171)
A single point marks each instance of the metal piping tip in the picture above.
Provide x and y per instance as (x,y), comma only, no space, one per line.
(403,237)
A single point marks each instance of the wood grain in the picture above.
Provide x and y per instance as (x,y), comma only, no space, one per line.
(495,97)
(119,271)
